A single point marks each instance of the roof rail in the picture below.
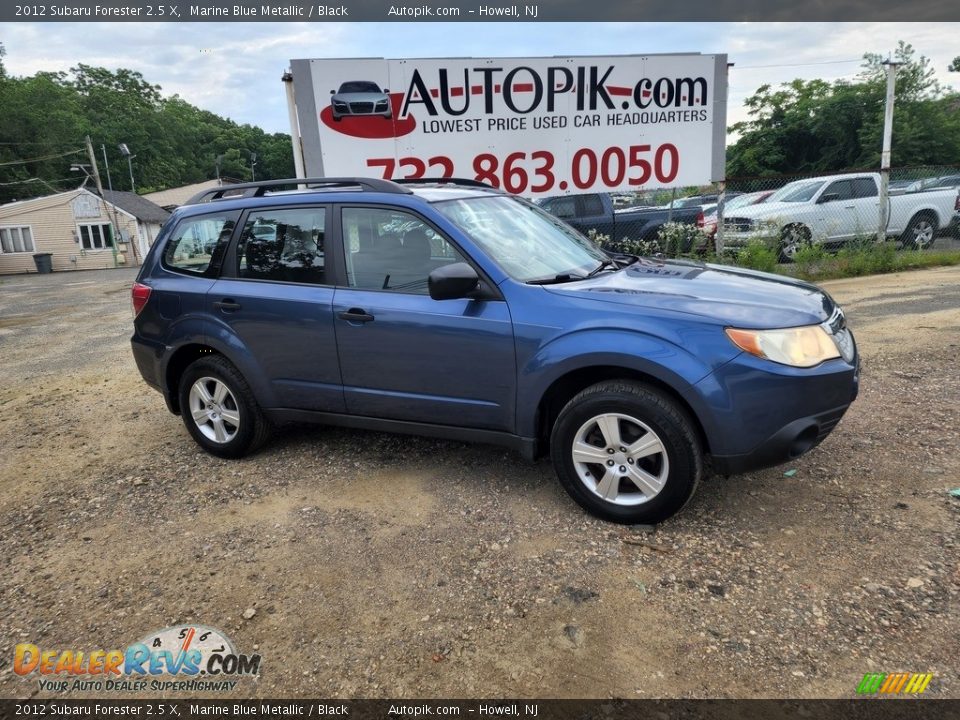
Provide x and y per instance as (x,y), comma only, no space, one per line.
(465,182)
(258,189)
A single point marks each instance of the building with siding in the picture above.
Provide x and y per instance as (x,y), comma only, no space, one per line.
(78,228)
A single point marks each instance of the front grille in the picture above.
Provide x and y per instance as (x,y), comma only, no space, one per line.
(361,108)
(738,224)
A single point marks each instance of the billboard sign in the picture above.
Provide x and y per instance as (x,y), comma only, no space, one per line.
(533,126)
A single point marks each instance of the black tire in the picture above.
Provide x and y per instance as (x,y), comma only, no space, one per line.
(921,233)
(792,238)
(253,429)
(664,417)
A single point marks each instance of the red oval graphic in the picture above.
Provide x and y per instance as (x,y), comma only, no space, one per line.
(372,126)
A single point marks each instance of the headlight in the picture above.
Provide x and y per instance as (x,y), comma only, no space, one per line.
(800,347)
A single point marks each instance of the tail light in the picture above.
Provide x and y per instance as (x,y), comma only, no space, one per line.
(700,219)
(139,294)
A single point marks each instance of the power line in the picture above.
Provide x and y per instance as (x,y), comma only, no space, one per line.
(35,179)
(38,159)
(825,62)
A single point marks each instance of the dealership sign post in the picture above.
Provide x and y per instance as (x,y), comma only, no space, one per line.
(532,126)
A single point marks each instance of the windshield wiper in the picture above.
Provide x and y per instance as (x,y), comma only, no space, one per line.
(561,278)
(603,264)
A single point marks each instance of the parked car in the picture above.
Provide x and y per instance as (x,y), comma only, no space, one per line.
(934,183)
(709,225)
(489,320)
(595,211)
(359,98)
(833,210)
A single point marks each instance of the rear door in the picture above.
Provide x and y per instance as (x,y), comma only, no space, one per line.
(403,355)
(866,201)
(274,302)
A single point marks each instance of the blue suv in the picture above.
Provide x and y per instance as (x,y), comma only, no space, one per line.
(450,309)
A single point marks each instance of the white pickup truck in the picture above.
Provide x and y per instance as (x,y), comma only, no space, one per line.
(836,209)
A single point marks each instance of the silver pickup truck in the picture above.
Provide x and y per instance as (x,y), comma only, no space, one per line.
(835,209)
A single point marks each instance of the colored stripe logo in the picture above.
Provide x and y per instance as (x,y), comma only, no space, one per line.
(894,683)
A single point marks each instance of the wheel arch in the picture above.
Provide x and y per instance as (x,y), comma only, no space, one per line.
(568,385)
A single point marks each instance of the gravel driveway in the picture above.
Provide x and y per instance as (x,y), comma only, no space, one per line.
(367,565)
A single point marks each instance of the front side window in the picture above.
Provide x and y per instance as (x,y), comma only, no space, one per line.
(392,250)
(526,242)
(843,189)
(284,246)
(564,207)
(96,237)
(196,241)
(16,239)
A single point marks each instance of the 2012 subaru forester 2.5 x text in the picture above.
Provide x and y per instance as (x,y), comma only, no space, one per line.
(447,308)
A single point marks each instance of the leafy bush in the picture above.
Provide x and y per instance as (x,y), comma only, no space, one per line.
(625,245)
(680,238)
(758,255)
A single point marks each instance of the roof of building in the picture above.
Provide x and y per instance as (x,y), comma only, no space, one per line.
(137,205)
(175,197)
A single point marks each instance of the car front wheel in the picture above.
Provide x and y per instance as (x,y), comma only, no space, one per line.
(627,452)
(219,409)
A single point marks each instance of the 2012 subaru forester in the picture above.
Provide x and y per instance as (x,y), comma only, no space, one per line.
(450,309)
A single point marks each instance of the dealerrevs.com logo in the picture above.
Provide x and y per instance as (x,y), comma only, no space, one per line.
(182,657)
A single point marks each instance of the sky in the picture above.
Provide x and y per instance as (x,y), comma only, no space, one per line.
(234,69)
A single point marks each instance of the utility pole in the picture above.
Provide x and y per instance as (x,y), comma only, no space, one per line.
(885,154)
(115,225)
(96,179)
(106,165)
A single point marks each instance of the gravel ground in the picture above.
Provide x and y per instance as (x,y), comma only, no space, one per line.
(368,565)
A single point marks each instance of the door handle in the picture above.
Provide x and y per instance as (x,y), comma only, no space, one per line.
(227,305)
(849,207)
(356,315)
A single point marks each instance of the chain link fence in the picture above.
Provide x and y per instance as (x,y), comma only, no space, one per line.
(785,215)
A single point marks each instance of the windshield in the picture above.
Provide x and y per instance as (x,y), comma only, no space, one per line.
(800,191)
(359,87)
(526,242)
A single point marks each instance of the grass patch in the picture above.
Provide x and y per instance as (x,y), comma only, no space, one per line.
(814,263)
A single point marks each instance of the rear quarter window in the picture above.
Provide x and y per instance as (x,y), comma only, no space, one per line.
(197,244)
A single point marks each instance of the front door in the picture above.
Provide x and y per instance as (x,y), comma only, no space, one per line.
(405,356)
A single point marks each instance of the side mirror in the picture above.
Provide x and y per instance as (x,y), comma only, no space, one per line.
(452,282)
(828,197)
(385,91)
(333,92)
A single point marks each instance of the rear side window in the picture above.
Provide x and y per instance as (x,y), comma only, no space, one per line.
(284,246)
(592,205)
(864,188)
(198,243)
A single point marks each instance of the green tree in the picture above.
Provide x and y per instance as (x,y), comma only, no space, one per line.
(814,126)
(175,143)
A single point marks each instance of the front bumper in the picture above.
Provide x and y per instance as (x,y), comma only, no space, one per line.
(764,414)
(789,442)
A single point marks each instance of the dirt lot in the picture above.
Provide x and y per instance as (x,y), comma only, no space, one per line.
(381,565)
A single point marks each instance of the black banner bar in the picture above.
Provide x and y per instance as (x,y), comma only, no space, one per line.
(476,11)
(858,709)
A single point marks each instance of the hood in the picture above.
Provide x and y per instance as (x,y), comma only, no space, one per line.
(360,97)
(725,295)
(766,210)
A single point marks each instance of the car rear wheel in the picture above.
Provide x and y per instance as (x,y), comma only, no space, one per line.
(626,452)
(219,410)
(921,232)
